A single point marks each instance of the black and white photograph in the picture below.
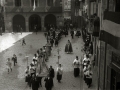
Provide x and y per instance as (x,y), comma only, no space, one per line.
(59,44)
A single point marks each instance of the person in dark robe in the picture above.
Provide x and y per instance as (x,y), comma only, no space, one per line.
(56,42)
(91,47)
(14,58)
(48,83)
(51,72)
(68,47)
(51,42)
(89,74)
(72,33)
(34,83)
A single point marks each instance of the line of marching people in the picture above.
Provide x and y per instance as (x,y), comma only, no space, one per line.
(53,36)
(32,73)
(88,61)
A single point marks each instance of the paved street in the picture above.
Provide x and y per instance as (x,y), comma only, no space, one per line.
(15,79)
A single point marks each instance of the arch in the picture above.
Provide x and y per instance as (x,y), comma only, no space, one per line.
(50,20)
(33,21)
(18,20)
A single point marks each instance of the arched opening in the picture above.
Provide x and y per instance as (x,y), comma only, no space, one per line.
(50,21)
(18,20)
(34,20)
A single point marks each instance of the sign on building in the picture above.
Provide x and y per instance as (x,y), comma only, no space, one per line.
(67,5)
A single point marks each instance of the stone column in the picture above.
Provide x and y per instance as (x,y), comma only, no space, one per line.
(42,23)
(27,23)
(57,20)
(8,24)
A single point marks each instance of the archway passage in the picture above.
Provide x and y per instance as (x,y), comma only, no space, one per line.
(18,21)
(50,21)
(34,21)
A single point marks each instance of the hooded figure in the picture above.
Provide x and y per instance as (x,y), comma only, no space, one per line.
(68,47)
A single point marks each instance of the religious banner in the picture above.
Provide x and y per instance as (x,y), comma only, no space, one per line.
(67,5)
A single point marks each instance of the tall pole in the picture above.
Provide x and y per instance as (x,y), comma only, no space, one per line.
(58,50)
(89,9)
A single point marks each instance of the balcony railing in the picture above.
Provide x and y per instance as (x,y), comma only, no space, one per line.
(30,9)
(112,16)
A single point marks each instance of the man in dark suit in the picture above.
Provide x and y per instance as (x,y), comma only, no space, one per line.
(14,58)
(34,83)
(39,79)
(51,72)
(48,83)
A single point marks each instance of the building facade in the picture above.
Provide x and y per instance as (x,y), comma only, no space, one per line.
(28,13)
(106,40)
(109,62)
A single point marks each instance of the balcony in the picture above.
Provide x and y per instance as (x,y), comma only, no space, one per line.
(30,9)
(112,16)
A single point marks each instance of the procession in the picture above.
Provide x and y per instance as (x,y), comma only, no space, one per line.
(38,69)
(57,45)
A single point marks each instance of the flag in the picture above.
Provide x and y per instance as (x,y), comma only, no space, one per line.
(34,6)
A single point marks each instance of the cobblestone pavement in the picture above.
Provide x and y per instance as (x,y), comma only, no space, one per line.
(15,79)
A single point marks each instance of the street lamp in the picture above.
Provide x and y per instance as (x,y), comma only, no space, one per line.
(27,58)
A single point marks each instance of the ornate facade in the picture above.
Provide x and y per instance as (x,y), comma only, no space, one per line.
(28,13)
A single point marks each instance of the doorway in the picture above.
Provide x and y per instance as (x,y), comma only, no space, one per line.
(18,20)
(34,20)
(50,21)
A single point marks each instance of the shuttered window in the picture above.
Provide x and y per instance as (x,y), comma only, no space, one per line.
(50,2)
(17,3)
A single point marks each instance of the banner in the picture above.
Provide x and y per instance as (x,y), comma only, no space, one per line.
(67,5)
(34,6)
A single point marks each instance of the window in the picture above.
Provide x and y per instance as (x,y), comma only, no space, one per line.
(50,2)
(77,3)
(34,1)
(117,6)
(17,3)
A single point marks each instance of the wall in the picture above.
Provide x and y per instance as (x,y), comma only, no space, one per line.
(10,2)
(25,2)
(101,63)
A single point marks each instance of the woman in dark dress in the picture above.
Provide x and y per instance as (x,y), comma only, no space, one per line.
(68,47)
